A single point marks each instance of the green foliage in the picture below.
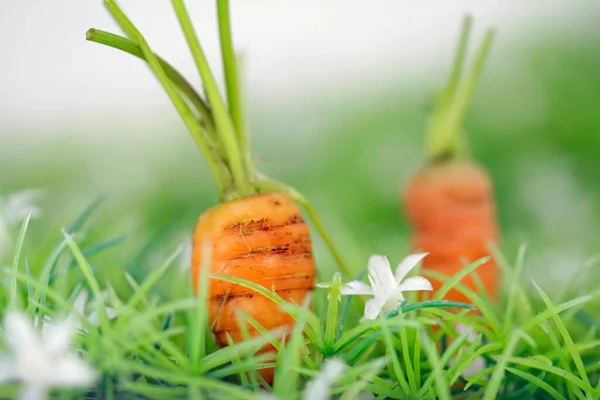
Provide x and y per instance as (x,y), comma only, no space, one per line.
(160,345)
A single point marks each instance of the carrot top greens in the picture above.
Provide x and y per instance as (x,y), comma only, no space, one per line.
(444,134)
(217,125)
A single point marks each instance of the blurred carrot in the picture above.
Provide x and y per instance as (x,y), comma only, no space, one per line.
(257,232)
(449,202)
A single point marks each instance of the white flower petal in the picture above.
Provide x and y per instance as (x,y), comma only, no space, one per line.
(324,285)
(80,302)
(7,370)
(415,283)
(42,364)
(20,335)
(380,275)
(393,301)
(373,307)
(17,206)
(57,338)
(462,328)
(356,288)
(111,313)
(407,265)
(319,387)
(33,392)
(475,367)
(70,371)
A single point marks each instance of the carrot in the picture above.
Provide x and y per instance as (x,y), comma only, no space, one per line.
(257,232)
(273,249)
(449,202)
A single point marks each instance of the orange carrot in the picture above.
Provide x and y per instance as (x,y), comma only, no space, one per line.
(451,208)
(449,203)
(257,232)
(263,239)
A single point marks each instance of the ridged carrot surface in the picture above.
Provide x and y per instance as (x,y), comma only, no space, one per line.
(261,238)
(451,208)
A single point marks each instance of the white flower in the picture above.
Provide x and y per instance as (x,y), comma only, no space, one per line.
(478,364)
(318,388)
(79,305)
(92,318)
(41,363)
(16,206)
(386,288)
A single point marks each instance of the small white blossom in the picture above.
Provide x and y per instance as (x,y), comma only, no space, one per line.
(319,387)
(92,318)
(478,364)
(79,305)
(16,206)
(41,363)
(386,288)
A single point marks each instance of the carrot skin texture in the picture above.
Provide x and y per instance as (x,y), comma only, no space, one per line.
(451,208)
(261,238)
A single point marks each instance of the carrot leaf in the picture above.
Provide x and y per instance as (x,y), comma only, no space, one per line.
(224,125)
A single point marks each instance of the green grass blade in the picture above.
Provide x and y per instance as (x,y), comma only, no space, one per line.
(451,283)
(437,368)
(548,367)
(346,307)
(15,299)
(84,215)
(554,310)
(152,280)
(537,382)
(286,377)
(513,290)
(493,388)
(392,356)
(406,355)
(436,304)
(566,337)
(100,247)
(200,325)
(331,318)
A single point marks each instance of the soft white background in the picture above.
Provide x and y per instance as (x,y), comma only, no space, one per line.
(52,80)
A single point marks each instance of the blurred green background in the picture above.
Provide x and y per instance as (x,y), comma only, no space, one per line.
(534,123)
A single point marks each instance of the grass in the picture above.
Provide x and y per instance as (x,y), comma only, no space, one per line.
(160,345)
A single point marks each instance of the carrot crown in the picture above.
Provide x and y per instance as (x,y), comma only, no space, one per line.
(444,135)
(217,125)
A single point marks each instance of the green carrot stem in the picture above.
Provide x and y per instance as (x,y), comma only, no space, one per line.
(129,46)
(459,59)
(464,95)
(223,122)
(444,135)
(218,169)
(266,185)
(230,70)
